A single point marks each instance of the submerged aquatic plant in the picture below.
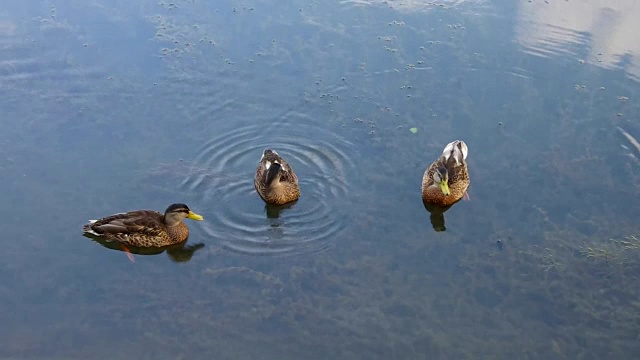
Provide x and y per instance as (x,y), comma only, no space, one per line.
(620,251)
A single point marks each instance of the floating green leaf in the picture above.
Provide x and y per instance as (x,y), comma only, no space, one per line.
(413,130)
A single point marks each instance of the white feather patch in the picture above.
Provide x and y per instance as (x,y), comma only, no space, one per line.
(465,149)
(449,147)
(447,150)
(457,155)
(92,233)
(456,148)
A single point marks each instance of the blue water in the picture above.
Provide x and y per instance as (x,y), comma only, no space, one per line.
(116,106)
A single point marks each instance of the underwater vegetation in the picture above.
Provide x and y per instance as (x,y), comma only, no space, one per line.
(542,262)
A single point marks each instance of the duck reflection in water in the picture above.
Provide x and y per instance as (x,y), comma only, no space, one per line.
(273,211)
(178,253)
(273,217)
(437,215)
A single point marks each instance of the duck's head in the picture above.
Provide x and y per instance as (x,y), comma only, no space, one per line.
(178,212)
(441,178)
(268,152)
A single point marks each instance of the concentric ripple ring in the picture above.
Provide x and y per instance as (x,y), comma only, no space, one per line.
(242,221)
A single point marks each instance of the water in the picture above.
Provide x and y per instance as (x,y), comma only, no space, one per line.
(240,219)
(108,107)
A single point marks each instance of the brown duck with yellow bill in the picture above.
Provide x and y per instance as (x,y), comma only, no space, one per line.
(446,180)
(144,228)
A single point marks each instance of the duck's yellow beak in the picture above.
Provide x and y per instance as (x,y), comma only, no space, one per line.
(194,216)
(444,186)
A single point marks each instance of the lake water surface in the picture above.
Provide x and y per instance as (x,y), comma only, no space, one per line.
(109,106)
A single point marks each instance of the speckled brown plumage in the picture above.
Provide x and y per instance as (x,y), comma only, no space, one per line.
(144,228)
(453,159)
(275,180)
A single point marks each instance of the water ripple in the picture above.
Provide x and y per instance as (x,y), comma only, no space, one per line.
(245,224)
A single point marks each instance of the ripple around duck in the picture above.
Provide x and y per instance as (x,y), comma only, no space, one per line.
(242,221)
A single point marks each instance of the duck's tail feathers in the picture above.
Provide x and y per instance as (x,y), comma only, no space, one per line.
(86,228)
(456,151)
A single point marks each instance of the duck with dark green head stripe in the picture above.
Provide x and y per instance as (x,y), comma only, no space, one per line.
(144,228)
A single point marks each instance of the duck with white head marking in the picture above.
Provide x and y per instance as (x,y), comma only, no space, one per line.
(446,180)
(275,180)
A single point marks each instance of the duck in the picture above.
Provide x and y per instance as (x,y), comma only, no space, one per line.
(144,228)
(446,180)
(275,180)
